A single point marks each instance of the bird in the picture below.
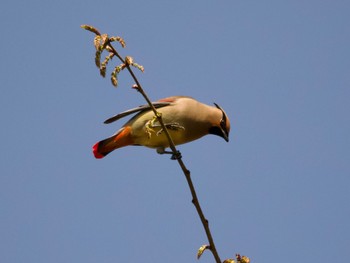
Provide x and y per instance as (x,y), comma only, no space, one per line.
(185,118)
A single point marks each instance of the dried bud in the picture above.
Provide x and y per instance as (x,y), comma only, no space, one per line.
(103,70)
(97,42)
(114,75)
(118,39)
(105,63)
(98,58)
(201,250)
(129,60)
(243,259)
(104,39)
(109,49)
(114,79)
(138,66)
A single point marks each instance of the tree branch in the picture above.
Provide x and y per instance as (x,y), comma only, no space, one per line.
(103,42)
(186,172)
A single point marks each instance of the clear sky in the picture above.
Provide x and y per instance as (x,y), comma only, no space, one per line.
(279,191)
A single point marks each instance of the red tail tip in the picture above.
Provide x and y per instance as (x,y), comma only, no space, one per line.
(95,151)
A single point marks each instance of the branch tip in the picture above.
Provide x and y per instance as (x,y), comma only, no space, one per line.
(118,39)
(91,29)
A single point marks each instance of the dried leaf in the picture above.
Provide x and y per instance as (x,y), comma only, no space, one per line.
(201,250)
(91,29)
(229,260)
(118,39)
(98,58)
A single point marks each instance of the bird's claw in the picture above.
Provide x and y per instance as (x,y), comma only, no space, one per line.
(174,156)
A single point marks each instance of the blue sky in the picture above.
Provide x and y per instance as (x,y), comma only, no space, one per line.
(278,191)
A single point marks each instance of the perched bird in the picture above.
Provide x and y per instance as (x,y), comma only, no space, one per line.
(185,118)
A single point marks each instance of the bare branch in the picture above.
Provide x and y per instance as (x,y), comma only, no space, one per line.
(103,42)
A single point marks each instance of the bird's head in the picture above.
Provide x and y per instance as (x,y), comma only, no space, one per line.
(222,127)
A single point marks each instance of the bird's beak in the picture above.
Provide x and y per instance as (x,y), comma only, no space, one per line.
(223,123)
(225,135)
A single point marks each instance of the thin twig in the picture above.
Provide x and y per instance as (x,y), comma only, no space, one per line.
(175,152)
(186,172)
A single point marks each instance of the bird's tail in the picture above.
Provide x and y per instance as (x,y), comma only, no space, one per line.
(120,139)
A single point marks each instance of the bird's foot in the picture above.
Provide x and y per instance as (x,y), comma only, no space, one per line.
(174,156)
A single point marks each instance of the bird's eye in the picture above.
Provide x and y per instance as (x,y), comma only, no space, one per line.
(222,123)
(223,120)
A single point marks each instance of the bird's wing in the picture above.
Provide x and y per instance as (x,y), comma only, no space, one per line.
(138,109)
